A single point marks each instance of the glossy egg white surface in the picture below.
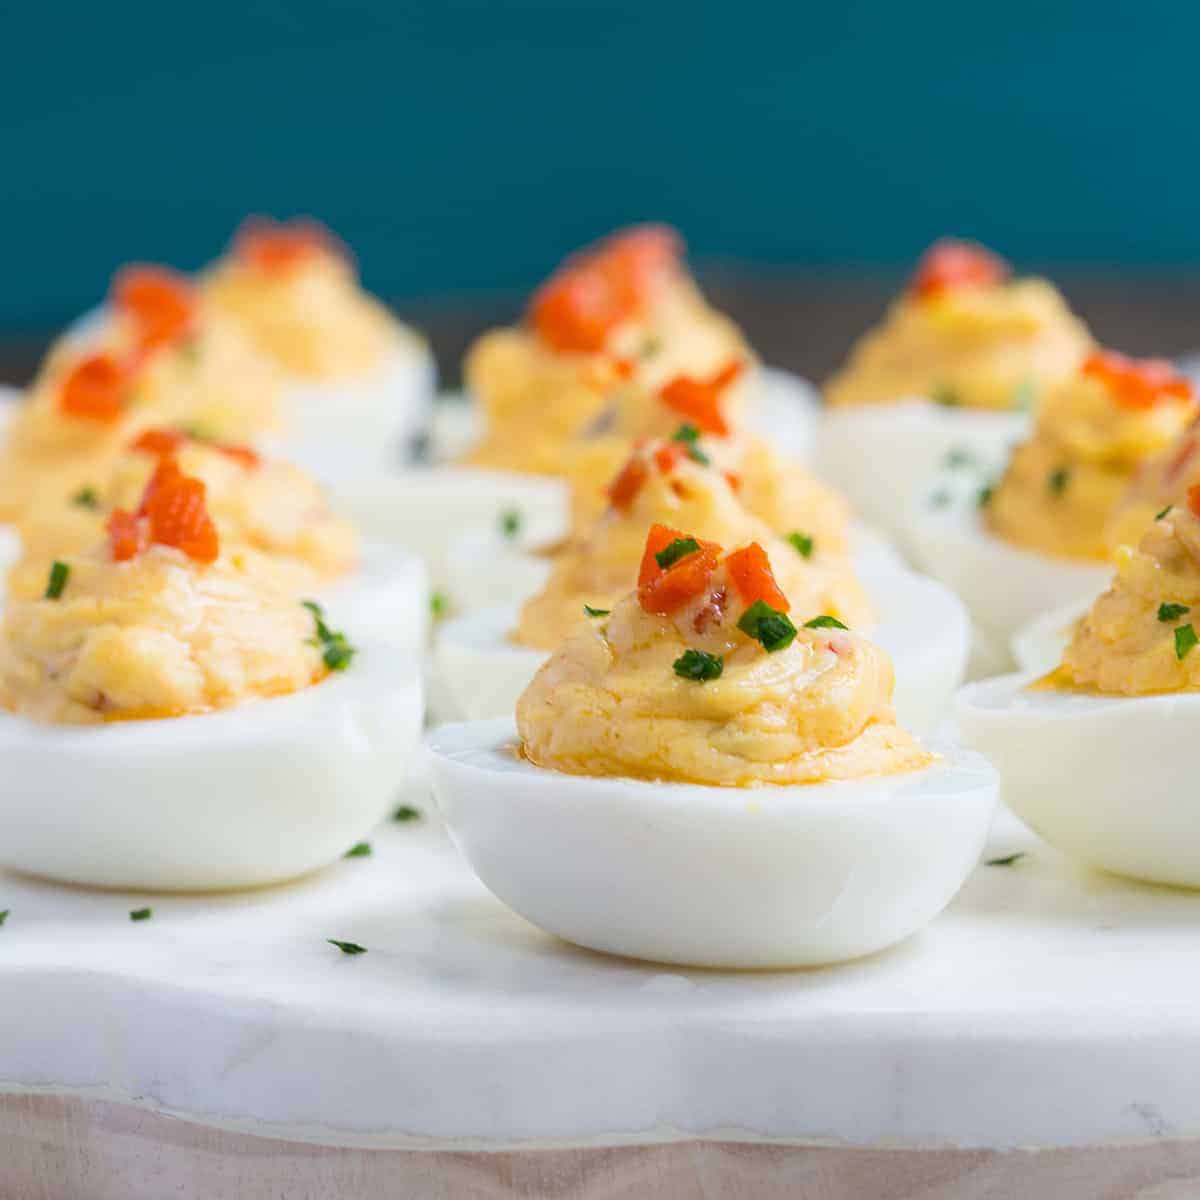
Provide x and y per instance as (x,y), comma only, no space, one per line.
(426,509)
(1003,586)
(881,455)
(360,426)
(233,799)
(923,627)
(707,876)
(1105,779)
(386,599)
(1038,645)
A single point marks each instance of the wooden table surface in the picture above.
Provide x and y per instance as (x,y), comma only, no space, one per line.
(804,321)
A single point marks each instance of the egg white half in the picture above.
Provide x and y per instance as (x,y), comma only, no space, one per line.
(386,599)
(359,427)
(232,799)
(923,627)
(1003,586)
(1106,779)
(707,876)
(426,509)
(880,455)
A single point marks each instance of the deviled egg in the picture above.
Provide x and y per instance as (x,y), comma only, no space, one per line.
(745,781)
(1040,537)
(1095,755)
(486,658)
(359,384)
(962,357)
(174,719)
(260,507)
(154,355)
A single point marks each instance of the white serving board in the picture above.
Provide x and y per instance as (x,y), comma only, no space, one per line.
(1047,1007)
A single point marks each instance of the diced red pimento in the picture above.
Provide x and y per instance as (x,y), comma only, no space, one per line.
(733,479)
(664,591)
(950,264)
(95,389)
(1137,383)
(669,456)
(1194,499)
(173,512)
(624,488)
(699,400)
(750,572)
(592,293)
(165,443)
(160,302)
(279,247)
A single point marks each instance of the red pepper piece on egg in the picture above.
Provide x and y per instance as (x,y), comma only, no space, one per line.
(1137,383)
(950,264)
(160,302)
(95,389)
(751,574)
(699,400)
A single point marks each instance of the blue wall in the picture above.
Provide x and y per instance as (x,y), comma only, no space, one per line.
(462,145)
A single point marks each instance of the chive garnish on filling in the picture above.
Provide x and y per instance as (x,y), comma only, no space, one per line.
(59,573)
(336,651)
(687,435)
(985,496)
(141,914)
(945,396)
(439,605)
(4,914)
(406,812)
(1158,516)
(651,346)
(359,850)
(768,626)
(802,543)
(1006,861)
(596,612)
(671,553)
(1057,480)
(510,522)
(347,947)
(699,665)
(1170,612)
(825,622)
(959,456)
(1185,641)
(86,497)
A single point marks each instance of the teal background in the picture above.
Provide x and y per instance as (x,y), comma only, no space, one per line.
(462,146)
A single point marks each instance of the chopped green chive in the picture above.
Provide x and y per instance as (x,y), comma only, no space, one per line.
(59,573)
(359,850)
(347,947)
(1185,641)
(1006,861)
(1171,612)
(801,543)
(197,433)
(4,914)
(688,435)
(510,523)
(945,396)
(336,651)
(768,626)
(406,812)
(1024,394)
(699,665)
(141,914)
(670,554)
(1058,480)
(960,456)
(651,346)
(86,497)
(825,622)
(596,612)
(439,605)
(985,496)
(1159,515)
(939,499)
